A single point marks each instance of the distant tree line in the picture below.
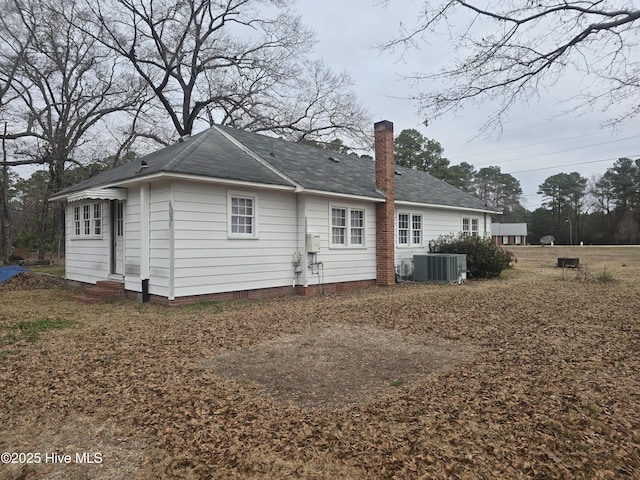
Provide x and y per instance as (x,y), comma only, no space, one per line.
(602,210)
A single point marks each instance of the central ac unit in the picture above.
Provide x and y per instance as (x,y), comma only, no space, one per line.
(440,267)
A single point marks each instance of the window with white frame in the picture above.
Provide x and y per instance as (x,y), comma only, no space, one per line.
(518,240)
(470,226)
(416,229)
(76,221)
(347,227)
(505,239)
(97,218)
(242,213)
(87,220)
(409,229)
(357,227)
(403,229)
(338,226)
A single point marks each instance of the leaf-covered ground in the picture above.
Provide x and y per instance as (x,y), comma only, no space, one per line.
(534,375)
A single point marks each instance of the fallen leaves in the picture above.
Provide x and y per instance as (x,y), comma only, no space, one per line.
(31,281)
(549,389)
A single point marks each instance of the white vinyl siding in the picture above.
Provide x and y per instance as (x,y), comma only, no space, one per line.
(210,260)
(132,227)
(159,267)
(87,257)
(342,264)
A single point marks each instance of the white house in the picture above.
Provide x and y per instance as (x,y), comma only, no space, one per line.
(232,214)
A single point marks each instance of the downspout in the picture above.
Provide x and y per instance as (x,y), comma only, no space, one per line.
(144,240)
(303,243)
(171,245)
(485,225)
(297,258)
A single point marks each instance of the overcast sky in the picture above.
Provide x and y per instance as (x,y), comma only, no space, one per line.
(535,143)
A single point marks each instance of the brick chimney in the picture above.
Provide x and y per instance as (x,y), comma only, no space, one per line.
(385,212)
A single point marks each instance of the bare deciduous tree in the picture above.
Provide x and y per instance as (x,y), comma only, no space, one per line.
(238,62)
(511,51)
(315,103)
(13,45)
(64,85)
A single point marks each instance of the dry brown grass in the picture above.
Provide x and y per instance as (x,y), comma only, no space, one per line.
(534,375)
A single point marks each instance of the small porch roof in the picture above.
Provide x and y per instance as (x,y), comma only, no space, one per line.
(98,194)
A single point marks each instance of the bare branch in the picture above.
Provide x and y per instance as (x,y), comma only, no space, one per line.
(232,62)
(508,53)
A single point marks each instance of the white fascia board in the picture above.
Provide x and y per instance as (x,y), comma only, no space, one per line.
(201,179)
(181,176)
(226,181)
(446,207)
(340,195)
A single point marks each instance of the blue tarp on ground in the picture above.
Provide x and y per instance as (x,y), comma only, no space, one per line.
(8,271)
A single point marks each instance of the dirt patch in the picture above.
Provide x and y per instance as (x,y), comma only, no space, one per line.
(32,281)
(340,365)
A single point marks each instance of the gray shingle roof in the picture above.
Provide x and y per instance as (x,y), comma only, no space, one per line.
(509,229)
(420,187)
(228,153)
(208,154)
(312,167)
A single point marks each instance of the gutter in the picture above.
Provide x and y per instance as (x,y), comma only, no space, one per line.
(447,207)
(172,176)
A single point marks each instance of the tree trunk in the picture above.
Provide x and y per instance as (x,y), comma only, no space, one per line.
(42,234)
(5,221)
(56,182)
(5,237)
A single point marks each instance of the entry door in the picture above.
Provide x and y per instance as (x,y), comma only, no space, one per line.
(117,236)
